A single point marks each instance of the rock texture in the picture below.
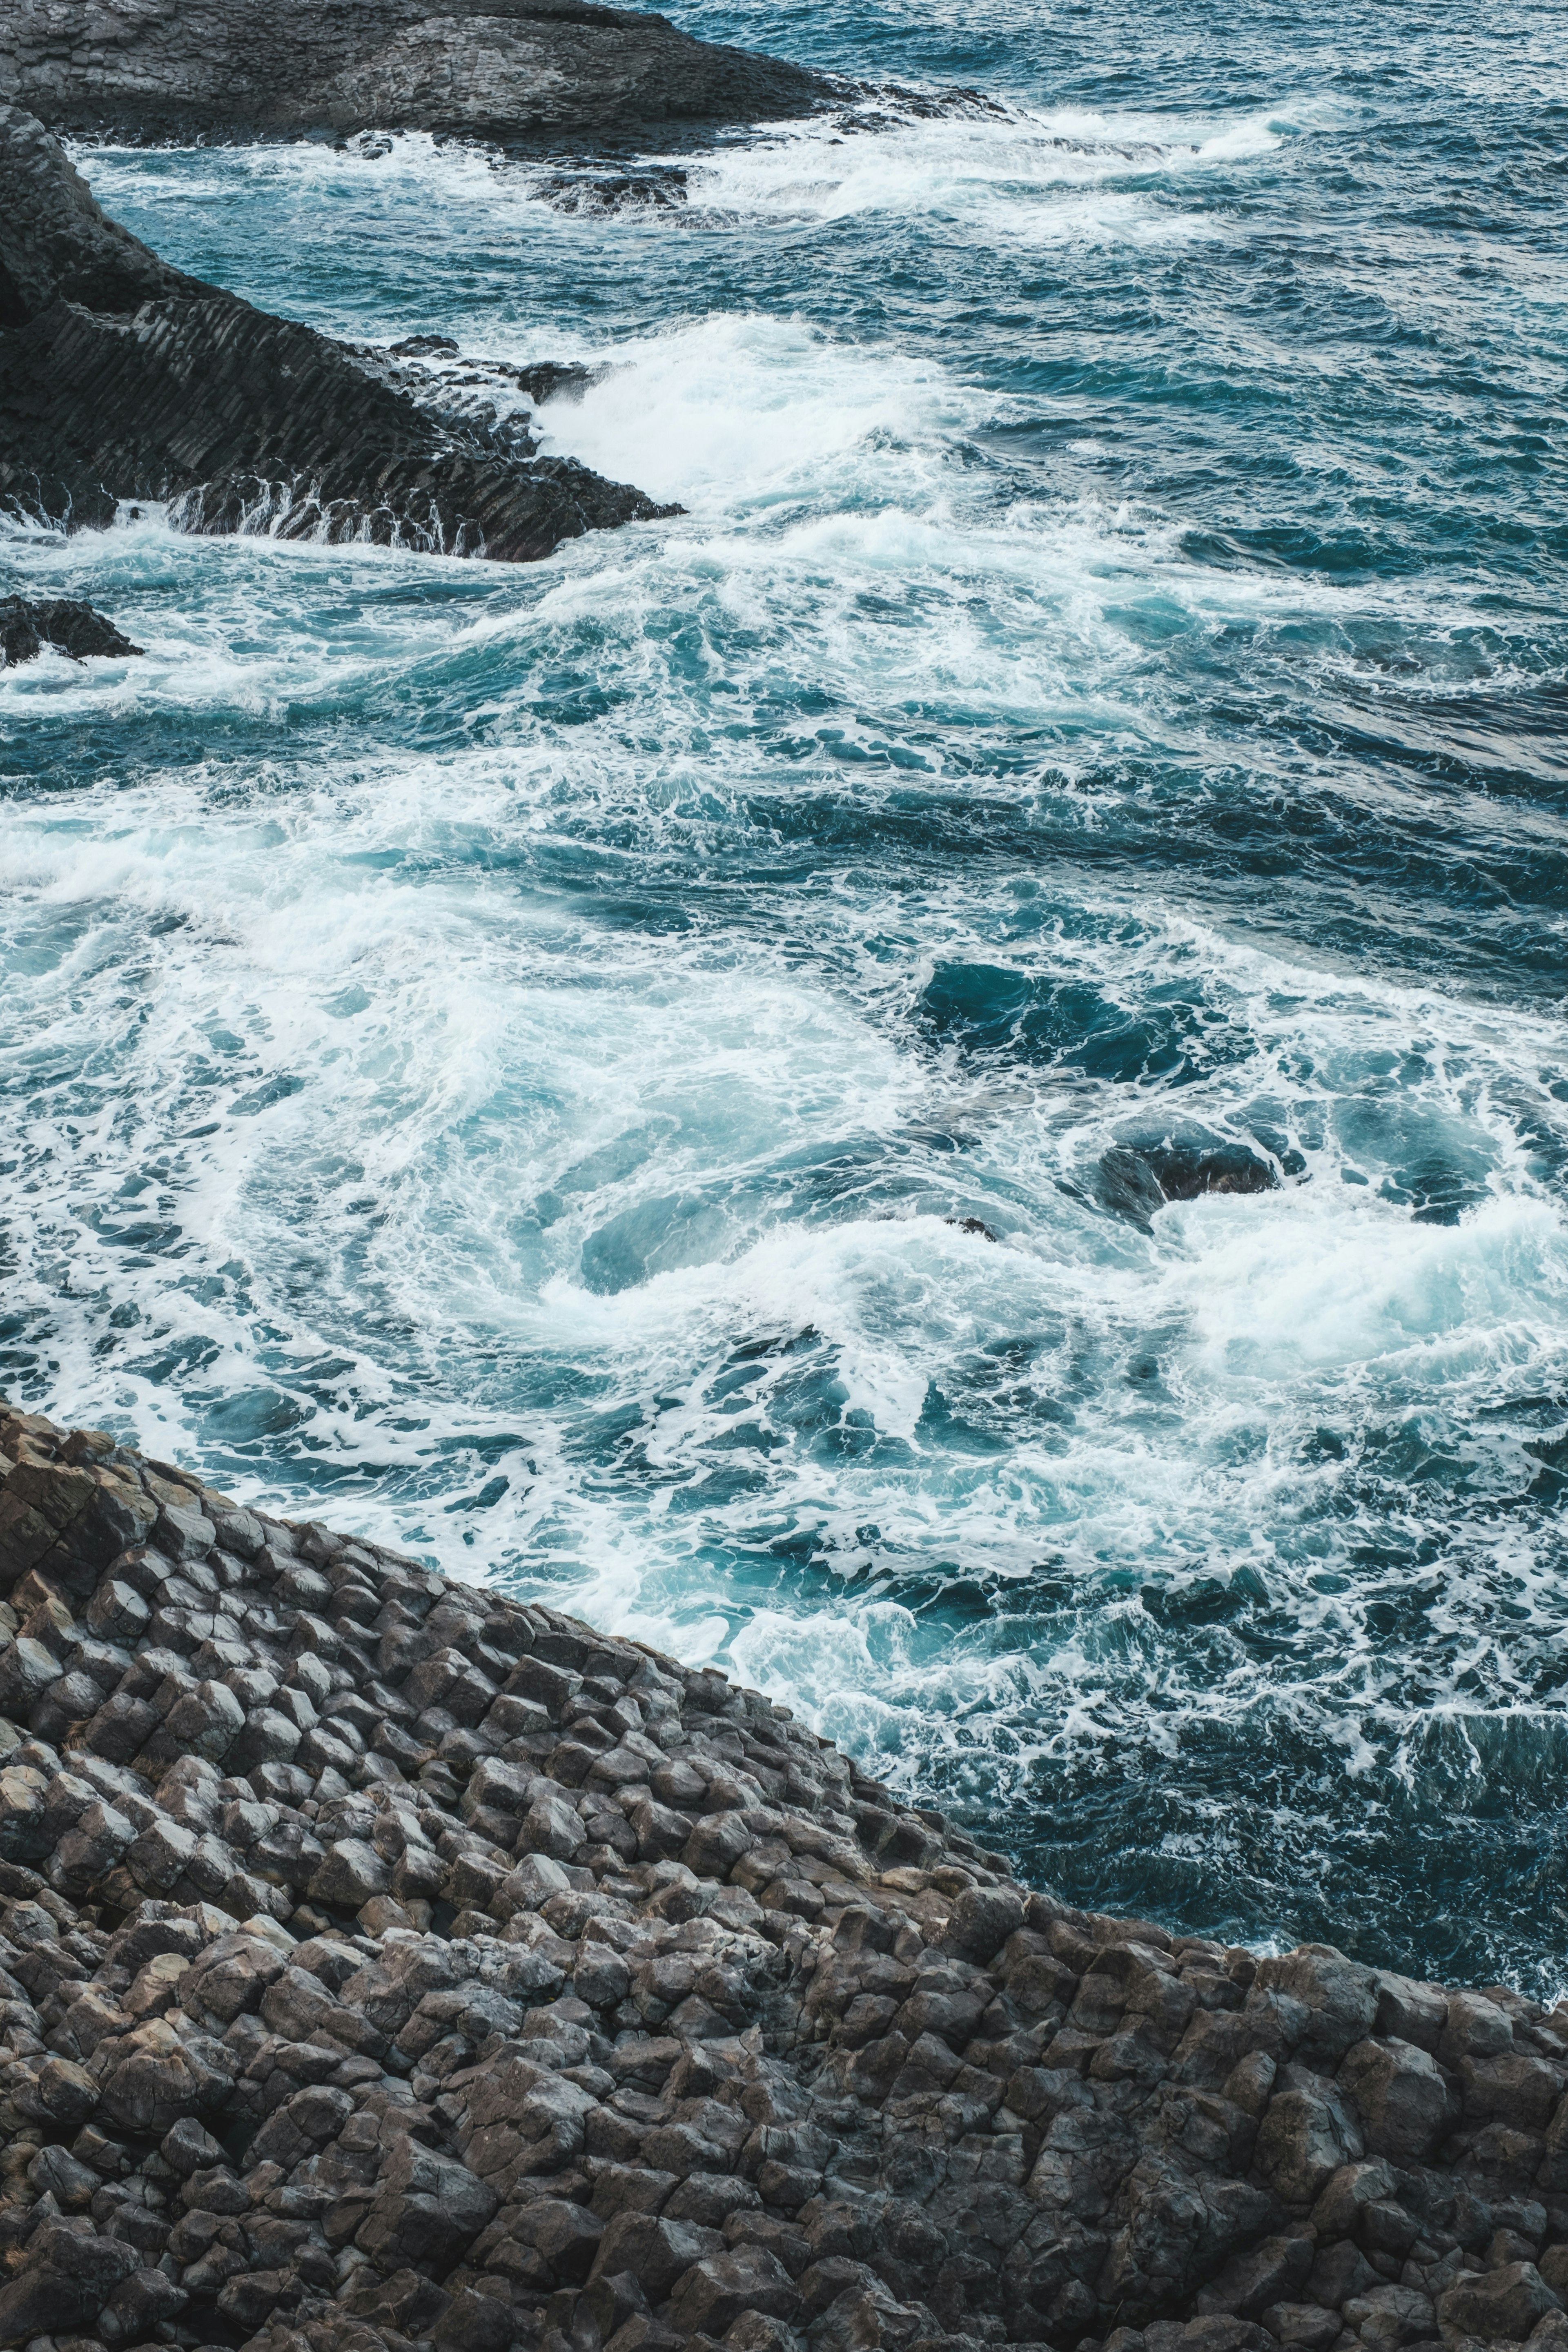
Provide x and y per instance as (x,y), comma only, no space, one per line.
(499,69)
(386,1964)
(121,379)
(63,622)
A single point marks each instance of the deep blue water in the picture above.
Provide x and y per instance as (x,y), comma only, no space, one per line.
(502,1057)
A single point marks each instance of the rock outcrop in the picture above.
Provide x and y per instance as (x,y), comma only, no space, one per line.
(64,623)
(123,379)
(288,69)
(386,1964)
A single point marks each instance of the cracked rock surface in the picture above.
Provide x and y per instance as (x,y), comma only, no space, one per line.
(493,68)
(386,1964)
(122,379)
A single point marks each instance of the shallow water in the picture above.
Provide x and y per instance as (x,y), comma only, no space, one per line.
(504,1057)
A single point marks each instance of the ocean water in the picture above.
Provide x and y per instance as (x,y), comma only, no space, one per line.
(601,1073)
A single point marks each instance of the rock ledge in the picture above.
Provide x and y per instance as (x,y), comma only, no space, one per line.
(387,1964)
(122,379)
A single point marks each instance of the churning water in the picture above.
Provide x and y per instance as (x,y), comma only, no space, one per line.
(600,1072)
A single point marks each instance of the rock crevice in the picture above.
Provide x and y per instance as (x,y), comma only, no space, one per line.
(384,1963)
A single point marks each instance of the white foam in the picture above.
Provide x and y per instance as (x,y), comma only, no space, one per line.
(988,170)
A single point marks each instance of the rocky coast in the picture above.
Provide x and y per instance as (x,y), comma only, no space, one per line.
(494,69)
(386,1964)
(122,379)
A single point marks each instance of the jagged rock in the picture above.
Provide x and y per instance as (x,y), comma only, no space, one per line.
(734,2070)
(1136,1181)
(64,623)
(122,379)
(488,68)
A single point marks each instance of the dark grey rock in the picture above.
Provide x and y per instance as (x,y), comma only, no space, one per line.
(1305,2136)
(64,623)
(716,2291)
(1404,2105)
(120,378)
(490,68)
(789,2093)
(1499,2303)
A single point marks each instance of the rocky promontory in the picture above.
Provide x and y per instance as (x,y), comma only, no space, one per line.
(123,379)
(289,68)
(387,1964)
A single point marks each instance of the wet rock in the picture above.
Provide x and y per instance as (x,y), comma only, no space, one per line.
(558,380)
(661,188)
(490,69)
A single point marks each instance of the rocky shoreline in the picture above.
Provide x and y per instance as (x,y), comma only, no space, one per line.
(296,68)
(386,1964)
(122,379)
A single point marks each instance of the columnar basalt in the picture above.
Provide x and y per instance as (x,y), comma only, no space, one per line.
(121,379)
(386,1963)
(285,68)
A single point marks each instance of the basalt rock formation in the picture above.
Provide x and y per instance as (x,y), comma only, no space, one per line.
(63,622)
(387,1964)
(1136,1181)
(122,379)
(285,68)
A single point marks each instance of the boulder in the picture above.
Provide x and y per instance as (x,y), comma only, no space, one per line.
(716,2291)
(428,2210)
(1305,2136)
(1494,2305)
(67,626)
(1404,2105)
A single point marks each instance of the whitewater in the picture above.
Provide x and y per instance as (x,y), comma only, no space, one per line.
(599,1073)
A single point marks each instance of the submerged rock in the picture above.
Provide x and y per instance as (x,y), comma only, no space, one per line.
(122,378)
(1136,1180)
(384,1962)
(65,622)
(484,68)
(558,379)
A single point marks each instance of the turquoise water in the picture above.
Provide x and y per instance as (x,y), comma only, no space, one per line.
(504,1057)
